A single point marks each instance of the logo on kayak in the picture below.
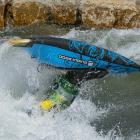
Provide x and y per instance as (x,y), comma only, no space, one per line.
(73,59)
(90,63)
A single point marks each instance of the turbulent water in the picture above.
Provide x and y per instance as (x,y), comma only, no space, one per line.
(105,109)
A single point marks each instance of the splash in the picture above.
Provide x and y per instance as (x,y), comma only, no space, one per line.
(98,101)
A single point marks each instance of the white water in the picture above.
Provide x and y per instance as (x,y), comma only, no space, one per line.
(20,80)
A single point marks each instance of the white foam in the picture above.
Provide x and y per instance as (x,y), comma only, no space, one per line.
(19,79)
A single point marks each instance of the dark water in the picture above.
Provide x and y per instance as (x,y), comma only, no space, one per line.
(107,108)
(121,97)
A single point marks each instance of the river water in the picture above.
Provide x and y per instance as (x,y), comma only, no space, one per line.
(105,109)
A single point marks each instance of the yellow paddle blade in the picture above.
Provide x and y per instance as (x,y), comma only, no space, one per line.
(19,42)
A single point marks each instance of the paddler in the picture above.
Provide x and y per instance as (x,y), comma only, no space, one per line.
(62,93)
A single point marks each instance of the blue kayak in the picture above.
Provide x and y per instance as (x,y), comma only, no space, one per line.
(75,55)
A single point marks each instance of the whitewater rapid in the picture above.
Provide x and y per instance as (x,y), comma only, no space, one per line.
(19,81)
(22,87)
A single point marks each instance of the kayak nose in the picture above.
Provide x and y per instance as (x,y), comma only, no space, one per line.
(20,42)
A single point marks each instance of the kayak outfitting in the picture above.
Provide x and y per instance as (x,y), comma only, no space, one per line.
(74,55)
(83,62)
